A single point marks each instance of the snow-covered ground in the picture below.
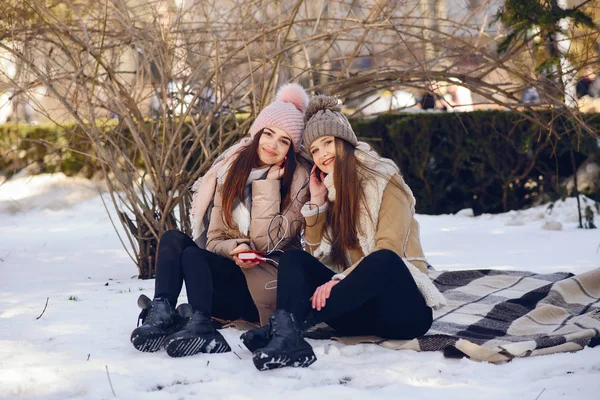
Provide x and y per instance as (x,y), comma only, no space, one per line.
(57,242)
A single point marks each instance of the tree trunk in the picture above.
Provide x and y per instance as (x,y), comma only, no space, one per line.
(567,72)
(575,188)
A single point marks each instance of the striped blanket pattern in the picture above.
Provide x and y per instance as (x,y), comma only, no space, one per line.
(496,315)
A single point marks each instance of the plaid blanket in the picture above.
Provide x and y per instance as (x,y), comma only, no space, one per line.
(495,315)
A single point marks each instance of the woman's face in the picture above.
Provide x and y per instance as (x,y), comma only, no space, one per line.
(273,145)
(322,151)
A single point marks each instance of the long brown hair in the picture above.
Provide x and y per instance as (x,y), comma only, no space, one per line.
(239,171)
(343,214)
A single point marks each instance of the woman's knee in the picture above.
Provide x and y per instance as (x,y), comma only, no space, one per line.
(174,238)
(292,263)
(386,262)
(194,256)
(385,257)
(292,259)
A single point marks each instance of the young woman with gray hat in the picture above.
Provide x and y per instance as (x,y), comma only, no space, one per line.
(248,201)
(364,271)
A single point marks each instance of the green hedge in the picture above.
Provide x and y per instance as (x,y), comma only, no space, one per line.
(65,148)
(490,161)
(46,148)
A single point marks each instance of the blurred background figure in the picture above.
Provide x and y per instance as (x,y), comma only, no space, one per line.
(588,85)
(426,99)
(387,101)
(458,98)
(530,96)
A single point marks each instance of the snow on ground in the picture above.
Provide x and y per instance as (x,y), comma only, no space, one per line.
(56,242)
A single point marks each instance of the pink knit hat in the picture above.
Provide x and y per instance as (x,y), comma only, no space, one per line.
(286,112)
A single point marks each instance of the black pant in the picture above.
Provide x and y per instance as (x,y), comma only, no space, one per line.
(214,284)
(380,297)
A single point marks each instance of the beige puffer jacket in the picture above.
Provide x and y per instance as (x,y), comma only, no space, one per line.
(396,229)
(266,207)
(396,223)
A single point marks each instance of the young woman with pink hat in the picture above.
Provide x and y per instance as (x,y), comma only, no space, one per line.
(249,201)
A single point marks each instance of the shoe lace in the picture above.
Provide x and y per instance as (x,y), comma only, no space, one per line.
(142,317)
(149,313)
(273,322)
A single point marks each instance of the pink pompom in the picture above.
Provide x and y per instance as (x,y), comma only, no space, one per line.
(295,94)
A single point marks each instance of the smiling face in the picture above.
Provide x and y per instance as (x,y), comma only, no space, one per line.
(273,145)
(323,153)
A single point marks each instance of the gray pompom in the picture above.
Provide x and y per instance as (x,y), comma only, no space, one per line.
(321,103)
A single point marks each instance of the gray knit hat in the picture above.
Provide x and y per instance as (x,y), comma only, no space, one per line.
(324,118)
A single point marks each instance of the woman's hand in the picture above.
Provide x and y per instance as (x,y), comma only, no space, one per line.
(276,171)
(319,298)
(243,263)
(317,188)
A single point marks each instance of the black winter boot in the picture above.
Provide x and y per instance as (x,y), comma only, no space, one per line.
(257,338)
(287,347)
(197,336)
(159,320)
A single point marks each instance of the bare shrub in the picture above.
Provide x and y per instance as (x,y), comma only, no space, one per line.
(161,87)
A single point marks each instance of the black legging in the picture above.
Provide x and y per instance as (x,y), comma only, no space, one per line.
(214,284)
(380,297)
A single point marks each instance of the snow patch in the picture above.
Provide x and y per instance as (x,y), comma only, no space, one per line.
(58,252)
(46,191)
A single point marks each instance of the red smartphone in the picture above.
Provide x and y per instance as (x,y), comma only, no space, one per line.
(318,174)
(251,256)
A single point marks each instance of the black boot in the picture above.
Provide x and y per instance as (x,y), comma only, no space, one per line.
(257,338)
(287,347)
(159,320)
(197,336)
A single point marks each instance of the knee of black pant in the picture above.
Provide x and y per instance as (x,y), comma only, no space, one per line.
(385,256)
(292,257)
(172,237)
(384,260)
(194,254)
(291,262)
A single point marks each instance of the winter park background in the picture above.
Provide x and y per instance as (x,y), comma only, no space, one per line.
(490,108)
(58,243)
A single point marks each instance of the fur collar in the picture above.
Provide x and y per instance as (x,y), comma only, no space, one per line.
(241,211)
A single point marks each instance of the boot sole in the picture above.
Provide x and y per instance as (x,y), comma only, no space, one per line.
(189,346)
(300,359)
(148,344)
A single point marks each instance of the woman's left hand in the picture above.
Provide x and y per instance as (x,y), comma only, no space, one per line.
(319,298)
(276,171)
